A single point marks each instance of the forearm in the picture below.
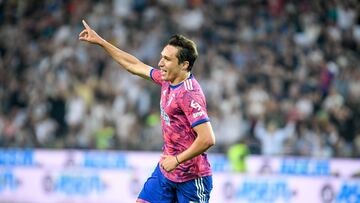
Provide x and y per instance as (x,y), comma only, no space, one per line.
(198,147)
(126,60)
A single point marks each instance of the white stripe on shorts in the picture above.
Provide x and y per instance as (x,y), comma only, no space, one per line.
(200,190)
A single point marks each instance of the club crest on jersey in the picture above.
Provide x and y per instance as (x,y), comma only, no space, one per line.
(170,100)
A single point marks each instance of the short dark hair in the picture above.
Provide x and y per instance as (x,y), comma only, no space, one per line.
(186,49)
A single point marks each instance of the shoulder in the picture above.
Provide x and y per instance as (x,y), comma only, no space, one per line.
(191,91)
(190,88)
(156,76)
(191,85)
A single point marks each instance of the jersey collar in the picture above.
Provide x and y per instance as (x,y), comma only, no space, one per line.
(178,85)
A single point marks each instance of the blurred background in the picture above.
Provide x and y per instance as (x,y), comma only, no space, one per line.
(281,77)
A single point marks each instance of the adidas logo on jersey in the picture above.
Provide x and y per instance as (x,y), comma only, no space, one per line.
(188,85)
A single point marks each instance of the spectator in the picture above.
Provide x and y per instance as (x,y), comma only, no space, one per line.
(272,137)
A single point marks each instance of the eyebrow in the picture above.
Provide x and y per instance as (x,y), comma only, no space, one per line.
(165,56)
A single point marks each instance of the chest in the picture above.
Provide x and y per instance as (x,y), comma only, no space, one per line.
(169,100)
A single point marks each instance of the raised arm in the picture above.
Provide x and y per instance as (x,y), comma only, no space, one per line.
(126,60)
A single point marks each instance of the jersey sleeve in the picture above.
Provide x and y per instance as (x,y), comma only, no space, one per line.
(155,76)
(193,105)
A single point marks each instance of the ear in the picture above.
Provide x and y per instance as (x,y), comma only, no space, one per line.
(185,65)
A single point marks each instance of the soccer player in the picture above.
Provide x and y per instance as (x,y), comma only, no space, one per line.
(183,173)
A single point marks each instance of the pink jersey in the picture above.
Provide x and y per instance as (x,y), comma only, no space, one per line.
(182,107)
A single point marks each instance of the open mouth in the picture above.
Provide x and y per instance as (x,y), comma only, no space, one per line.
(163,72)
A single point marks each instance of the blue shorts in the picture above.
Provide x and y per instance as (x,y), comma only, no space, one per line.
(159,189)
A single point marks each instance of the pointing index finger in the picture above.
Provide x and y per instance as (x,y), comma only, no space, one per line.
(86,25)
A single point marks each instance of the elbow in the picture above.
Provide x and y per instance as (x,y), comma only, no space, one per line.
(210,142)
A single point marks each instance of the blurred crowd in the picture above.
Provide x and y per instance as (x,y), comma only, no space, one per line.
(281,76)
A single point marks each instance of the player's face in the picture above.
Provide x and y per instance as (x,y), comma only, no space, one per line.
(169,64)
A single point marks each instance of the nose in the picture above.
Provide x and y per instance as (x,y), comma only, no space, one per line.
(161,63)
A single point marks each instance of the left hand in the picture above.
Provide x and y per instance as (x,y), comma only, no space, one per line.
(168,163)
(89,35)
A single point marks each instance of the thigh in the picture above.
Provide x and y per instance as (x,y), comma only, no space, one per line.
(197,190)
(158,189)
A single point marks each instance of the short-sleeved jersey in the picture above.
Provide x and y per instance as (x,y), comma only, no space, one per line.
(182,107)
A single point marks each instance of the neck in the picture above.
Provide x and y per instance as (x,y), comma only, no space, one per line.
(180,79)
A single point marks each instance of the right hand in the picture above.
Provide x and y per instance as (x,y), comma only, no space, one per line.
(89,35)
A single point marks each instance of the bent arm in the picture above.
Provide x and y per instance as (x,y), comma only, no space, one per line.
(205,139)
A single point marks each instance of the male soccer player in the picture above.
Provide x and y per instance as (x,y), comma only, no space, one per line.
(183,174)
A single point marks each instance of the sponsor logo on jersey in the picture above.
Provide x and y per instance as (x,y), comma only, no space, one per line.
(195,105)
(164,116)
(198,114)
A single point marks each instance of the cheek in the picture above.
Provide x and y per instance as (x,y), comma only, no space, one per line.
(169,66)
(172,71)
